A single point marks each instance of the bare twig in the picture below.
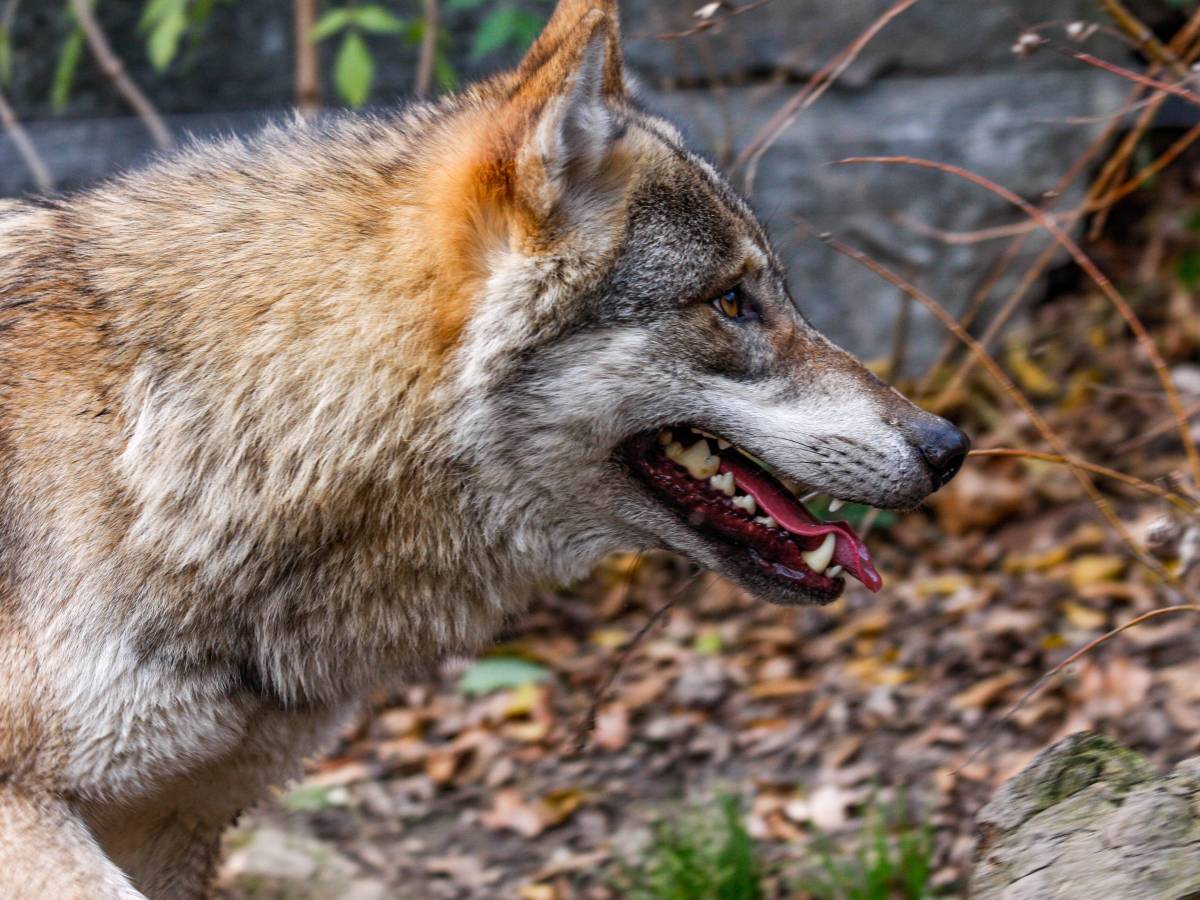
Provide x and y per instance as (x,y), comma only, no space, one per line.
(114,70)
(25,148)
(1143,36)
(589,721)
(308,59)
(1074,657)
(1102,281)
(707,24)
(1171,497)
(1180,46)
(1145,80)
(1017,396)
(427,61)
(811,93)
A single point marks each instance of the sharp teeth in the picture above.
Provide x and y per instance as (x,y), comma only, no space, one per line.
(818,560)
(835,505)
(723,483)
(699,461)
(834,572)
(723,444)
(665,437)
(746,504)
(767,521)
(675,452)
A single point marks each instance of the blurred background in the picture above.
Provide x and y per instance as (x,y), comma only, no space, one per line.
(651,732)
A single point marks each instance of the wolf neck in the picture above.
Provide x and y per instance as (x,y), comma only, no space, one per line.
(287,322)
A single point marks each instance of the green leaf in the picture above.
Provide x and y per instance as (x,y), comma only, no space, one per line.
(5,56)
(377,20)
(330,24)
(310,798)
(526,28)
(503,28)
(501,674)
(354,70)
(163,42)
(463,4)
(443,68)
(156,10)
(64,71)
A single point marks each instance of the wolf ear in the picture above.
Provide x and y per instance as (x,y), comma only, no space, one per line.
(558,31)
(558,130)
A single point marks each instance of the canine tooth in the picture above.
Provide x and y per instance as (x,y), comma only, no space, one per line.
(818,560)
(675,452)
(746,504)
(767,521)
(834,572)
(699,461)
(835,505)
(723,483)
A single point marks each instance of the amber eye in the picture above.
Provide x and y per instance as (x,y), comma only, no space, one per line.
(734,305)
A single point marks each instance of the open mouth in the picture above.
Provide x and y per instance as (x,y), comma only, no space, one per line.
(732,497)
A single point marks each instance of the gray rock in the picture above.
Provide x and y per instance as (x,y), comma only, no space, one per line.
(1089,818)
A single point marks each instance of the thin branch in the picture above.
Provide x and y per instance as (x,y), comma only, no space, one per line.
(427,62)
(1093,271)
(1171,497)
(1180,45)
(811,93)
(1017,397)
(1143,36)
(113,69)
(589,721)
(25,148)
(707,24)
(1074,657)
(1144,80)
(308,59)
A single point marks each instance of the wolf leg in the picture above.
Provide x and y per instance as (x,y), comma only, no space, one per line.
(47,851)
(172,858)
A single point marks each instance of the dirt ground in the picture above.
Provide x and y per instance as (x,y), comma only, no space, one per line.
(810,716)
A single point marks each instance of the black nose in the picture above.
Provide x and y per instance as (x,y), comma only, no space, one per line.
(943,447)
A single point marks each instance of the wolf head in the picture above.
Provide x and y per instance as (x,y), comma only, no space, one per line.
(635,369)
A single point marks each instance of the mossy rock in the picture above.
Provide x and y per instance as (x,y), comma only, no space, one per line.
(1090,817)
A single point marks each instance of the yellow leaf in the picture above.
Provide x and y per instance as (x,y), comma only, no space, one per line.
(1084,617)
(874,671)
(1035,562)
(1053,642)
(941,585)
(1031,376)
(524,700)
(609,638)
(1094,569)
(558,806)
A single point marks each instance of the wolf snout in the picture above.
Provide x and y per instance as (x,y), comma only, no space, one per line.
(942,446)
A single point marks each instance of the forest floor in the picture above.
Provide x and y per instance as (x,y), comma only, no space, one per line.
(810,717)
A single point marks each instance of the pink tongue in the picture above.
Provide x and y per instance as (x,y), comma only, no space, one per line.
(850,552)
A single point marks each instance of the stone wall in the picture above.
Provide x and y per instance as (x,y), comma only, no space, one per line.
(940,82)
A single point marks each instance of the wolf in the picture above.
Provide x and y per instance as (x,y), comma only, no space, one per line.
(286,419)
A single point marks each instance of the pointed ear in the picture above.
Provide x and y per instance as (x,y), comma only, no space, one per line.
(567,17)
(558,131)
